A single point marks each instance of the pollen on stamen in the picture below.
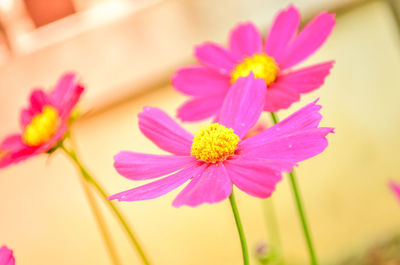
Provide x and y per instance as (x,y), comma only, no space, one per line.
(261,65)
(42,127)
(214,143)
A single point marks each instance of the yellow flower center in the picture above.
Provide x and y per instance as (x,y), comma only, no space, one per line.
(214,143)
(262,66)
(42,127)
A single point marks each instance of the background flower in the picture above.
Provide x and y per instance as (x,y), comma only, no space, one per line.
(6,256)
(43,123)
(271,60)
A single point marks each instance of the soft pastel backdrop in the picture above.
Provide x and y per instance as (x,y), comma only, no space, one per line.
(45,218)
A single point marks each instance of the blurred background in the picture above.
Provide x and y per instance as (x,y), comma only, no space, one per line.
(125,53)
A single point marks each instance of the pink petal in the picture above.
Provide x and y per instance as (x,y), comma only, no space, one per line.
(6,256)
(306,118)
(243,104)
(282,31)
(16,156)
(213,186)
(307,79)
(200,81)
(294,139)
(164,131)
(308,40)
(295,146)
(12,143)
(200,108)
(66,94)
(159,187)
(38,99)
(280,96)
(138,166)
(256,177)
(216,57)
(26,117)
(396,189)
(245,40)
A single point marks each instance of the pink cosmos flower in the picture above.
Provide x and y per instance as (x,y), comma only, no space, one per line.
(396,188)
(217,157)
(6,256)
(271,60)
(44,123)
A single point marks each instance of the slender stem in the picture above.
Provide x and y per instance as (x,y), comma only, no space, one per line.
(303,218)
(273,231)
(300,209)
(100,223)
(239,226)
(112,206)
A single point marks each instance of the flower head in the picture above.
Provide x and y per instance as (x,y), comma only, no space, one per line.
(6,256)
(395,188)
(218,156)
(43,123)
(271,60)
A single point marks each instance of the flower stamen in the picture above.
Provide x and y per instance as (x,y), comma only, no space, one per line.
(214,143)
(262,66)
(42,127)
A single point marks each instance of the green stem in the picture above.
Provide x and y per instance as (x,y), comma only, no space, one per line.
(300,209)
(239,226)
(273,231)
(112,206)
(100,223)
(303,218)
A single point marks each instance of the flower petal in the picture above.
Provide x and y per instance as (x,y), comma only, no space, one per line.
(396,188)
(294,139)
(216,57)
(295,147)
(200,81)
(308,40)
(280,96)
(11,157)
(243,105)
(164,131)
(305,118)
(256,177)
(159,187)
(245,40)
(213,186)
(38,99)
(306,79)
(66,94)
(12,143)
(137,166)
(200,108)
(282,31)
(6,256)
(26,117)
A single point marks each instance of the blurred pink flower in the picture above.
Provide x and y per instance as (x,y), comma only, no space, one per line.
(396,189)
(6,256)
(44,123)
(260,126)
(209,83)
(216,157)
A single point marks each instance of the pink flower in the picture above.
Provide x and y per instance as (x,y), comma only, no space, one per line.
(216,157)
(396,188)
(44,123)
(271,60)
(6,256)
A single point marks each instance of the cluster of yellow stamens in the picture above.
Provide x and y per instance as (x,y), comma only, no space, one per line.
(42,127)
(262,66)
(214,143)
